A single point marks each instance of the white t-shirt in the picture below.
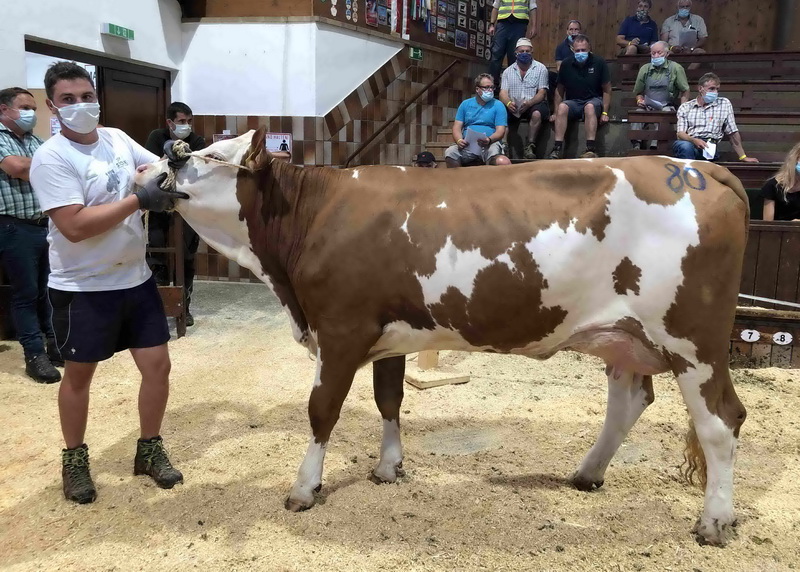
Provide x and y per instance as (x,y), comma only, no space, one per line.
(66,173)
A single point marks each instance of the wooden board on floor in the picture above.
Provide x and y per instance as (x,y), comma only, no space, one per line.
(431,374)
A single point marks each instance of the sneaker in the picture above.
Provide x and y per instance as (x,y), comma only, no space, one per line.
(151,459)
(53,354)
(589,155)
(189,319)
(530,151)
(78,485)
(41,370)
(555,154)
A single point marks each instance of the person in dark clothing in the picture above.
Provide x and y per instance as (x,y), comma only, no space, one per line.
(179,126)
(637,33)
(781,193)
(564,49)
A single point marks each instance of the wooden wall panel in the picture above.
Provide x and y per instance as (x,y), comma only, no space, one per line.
(246,8)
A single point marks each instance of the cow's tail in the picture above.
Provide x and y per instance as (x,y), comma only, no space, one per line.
(694,460)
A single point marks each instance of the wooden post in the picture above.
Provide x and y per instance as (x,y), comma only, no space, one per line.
(428,373)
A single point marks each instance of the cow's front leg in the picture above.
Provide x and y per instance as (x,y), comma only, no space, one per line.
(717,414)
(334,377)
(387,382)
(629,394)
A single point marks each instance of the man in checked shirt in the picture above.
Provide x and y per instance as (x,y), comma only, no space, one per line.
(703,122)
(524,93)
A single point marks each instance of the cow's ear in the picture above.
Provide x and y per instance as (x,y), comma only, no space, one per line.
(258,156)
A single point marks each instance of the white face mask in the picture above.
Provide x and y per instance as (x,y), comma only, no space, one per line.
(182,131)
(80,117)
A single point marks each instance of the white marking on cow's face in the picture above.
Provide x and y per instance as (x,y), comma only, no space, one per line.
(454,269)
(355,173)
(442,205)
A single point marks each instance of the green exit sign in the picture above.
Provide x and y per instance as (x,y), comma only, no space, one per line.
(415,53)
(118,31)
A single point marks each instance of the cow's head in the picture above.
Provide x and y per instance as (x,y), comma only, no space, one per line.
(211,177)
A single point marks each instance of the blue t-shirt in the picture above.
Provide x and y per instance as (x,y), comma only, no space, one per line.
(632,28)
(563,50)
(484,118)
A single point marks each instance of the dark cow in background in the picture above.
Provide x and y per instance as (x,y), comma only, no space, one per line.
(636,261)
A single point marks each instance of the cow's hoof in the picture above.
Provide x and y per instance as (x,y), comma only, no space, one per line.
(713,532)
(300,500)
(583,483)
(386,474)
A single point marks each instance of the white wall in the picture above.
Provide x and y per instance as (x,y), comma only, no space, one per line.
(156,24)
(345,60)
(295,69)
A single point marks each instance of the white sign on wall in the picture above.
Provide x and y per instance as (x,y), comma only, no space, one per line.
(279,142)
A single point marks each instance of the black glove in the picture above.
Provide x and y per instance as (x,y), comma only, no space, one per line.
(172,159)
(153,198)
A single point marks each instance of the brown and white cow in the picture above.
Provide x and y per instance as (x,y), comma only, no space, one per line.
(634,260)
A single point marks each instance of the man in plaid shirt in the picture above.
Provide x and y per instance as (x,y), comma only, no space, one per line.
(524,93)
(23,236)
(704,121)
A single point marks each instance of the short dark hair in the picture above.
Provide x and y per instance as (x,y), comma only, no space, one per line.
(707,77)
(177,107)
(8,95)
(648,2)
(482,76)
(582,38)
(64,70)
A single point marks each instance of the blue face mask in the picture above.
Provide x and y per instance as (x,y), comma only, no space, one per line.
(658,61)
(487,95)
(797,167)
(27,120)
(710,96)
(524,58)
(581,57)
(683,13)
(570,38)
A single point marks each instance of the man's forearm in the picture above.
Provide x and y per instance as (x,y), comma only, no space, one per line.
(17,167)
(493,17)
(736,143)
(498,134)
(683,136)
(88,222)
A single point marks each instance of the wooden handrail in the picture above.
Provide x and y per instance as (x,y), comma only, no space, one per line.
(405,106)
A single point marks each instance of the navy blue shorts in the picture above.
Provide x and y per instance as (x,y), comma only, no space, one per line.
(576,107)
(93,326)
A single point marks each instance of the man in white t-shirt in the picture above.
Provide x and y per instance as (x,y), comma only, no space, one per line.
(103,296)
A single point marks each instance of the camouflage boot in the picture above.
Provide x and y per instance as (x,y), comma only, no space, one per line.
(151,459)
(78,485)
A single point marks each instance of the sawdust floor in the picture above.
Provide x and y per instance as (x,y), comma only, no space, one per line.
(486,465)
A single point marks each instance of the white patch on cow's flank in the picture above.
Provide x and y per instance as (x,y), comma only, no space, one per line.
(355,173)
(506,259)
(317,377)
(399,167)
(442,205)
(399,338)
(454,269)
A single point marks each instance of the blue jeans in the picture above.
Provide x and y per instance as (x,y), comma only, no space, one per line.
(687,150)
(506,34)
(24,254)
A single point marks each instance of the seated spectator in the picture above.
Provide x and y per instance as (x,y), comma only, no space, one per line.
(583,91)
(425,159)
(660,86)
(782,192)
(702,122)
(638,32)
(524,92)
(685,32)
(484,115)
(564,49)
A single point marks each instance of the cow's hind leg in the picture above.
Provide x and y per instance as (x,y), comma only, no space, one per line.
(387,381)
(334,377)
(629,394)
(717,415)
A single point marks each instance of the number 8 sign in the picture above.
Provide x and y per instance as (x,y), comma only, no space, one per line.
(782,338)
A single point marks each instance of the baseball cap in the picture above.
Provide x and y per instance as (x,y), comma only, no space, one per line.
(524,42)
(424,157)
